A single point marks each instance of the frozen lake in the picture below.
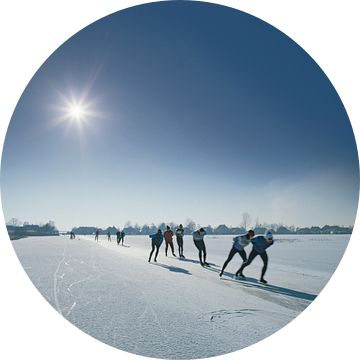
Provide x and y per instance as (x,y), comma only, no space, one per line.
(175,309)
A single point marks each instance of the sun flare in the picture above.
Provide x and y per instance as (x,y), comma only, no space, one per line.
(75,111)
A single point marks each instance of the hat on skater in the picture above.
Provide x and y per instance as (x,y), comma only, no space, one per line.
(268,235)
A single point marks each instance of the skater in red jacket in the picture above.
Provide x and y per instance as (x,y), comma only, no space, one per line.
(168,235)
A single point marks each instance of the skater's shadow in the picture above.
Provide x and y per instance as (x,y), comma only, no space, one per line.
(193,261)
(290,292)
(189,260)
(254,283)
(173,268)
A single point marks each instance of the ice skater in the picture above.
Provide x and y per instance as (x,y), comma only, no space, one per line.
(198,237)
(97,235)
(122,236)
(168,235)
(238,247)
(260,244)
(156,241)
(118,236)
(179,233)
(109,235)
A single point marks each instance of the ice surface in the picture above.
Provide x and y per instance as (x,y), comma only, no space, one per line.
(175,309)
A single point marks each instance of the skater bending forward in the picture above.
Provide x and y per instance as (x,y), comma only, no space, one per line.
(260,244)
(198,237)
(238,247)
(156,241)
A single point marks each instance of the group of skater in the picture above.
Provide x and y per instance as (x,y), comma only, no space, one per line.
(260,244)
(158,238)
(120,236)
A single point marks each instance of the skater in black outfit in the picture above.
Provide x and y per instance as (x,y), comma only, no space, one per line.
(198,237)
(118,237)
(156,241)
(261,243)
(238,247)
(179,232)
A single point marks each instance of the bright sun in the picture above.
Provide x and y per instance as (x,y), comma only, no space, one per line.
(76,111)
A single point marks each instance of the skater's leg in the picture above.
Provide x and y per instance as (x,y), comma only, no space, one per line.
(157,252)
(202,250)
(178,242)
(195,243)
(199,247)
(200,258)
(232,252)
(243,254)
(181,250)
(152,250)
(181,246)
(264,258)
(252,256)
(172,248)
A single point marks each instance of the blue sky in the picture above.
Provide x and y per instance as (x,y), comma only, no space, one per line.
(190,111)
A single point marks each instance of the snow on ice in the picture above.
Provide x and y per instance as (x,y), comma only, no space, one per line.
(176,309)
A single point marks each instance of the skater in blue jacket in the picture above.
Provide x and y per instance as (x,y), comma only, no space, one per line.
(260,244)
(156,241)
(122,237)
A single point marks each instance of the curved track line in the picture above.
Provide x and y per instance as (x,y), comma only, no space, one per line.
(55,283)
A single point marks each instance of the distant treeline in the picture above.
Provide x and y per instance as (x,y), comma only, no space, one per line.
(16,231)
(220,230)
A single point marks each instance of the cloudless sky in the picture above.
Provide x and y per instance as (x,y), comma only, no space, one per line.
(193,111)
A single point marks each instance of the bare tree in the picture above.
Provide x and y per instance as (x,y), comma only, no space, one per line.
(162,226)
(153,228)
(145,230)
(246,220)
(49,228)
(173,225)
(127,224)
(14,222)
(137,228)
(190,224)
